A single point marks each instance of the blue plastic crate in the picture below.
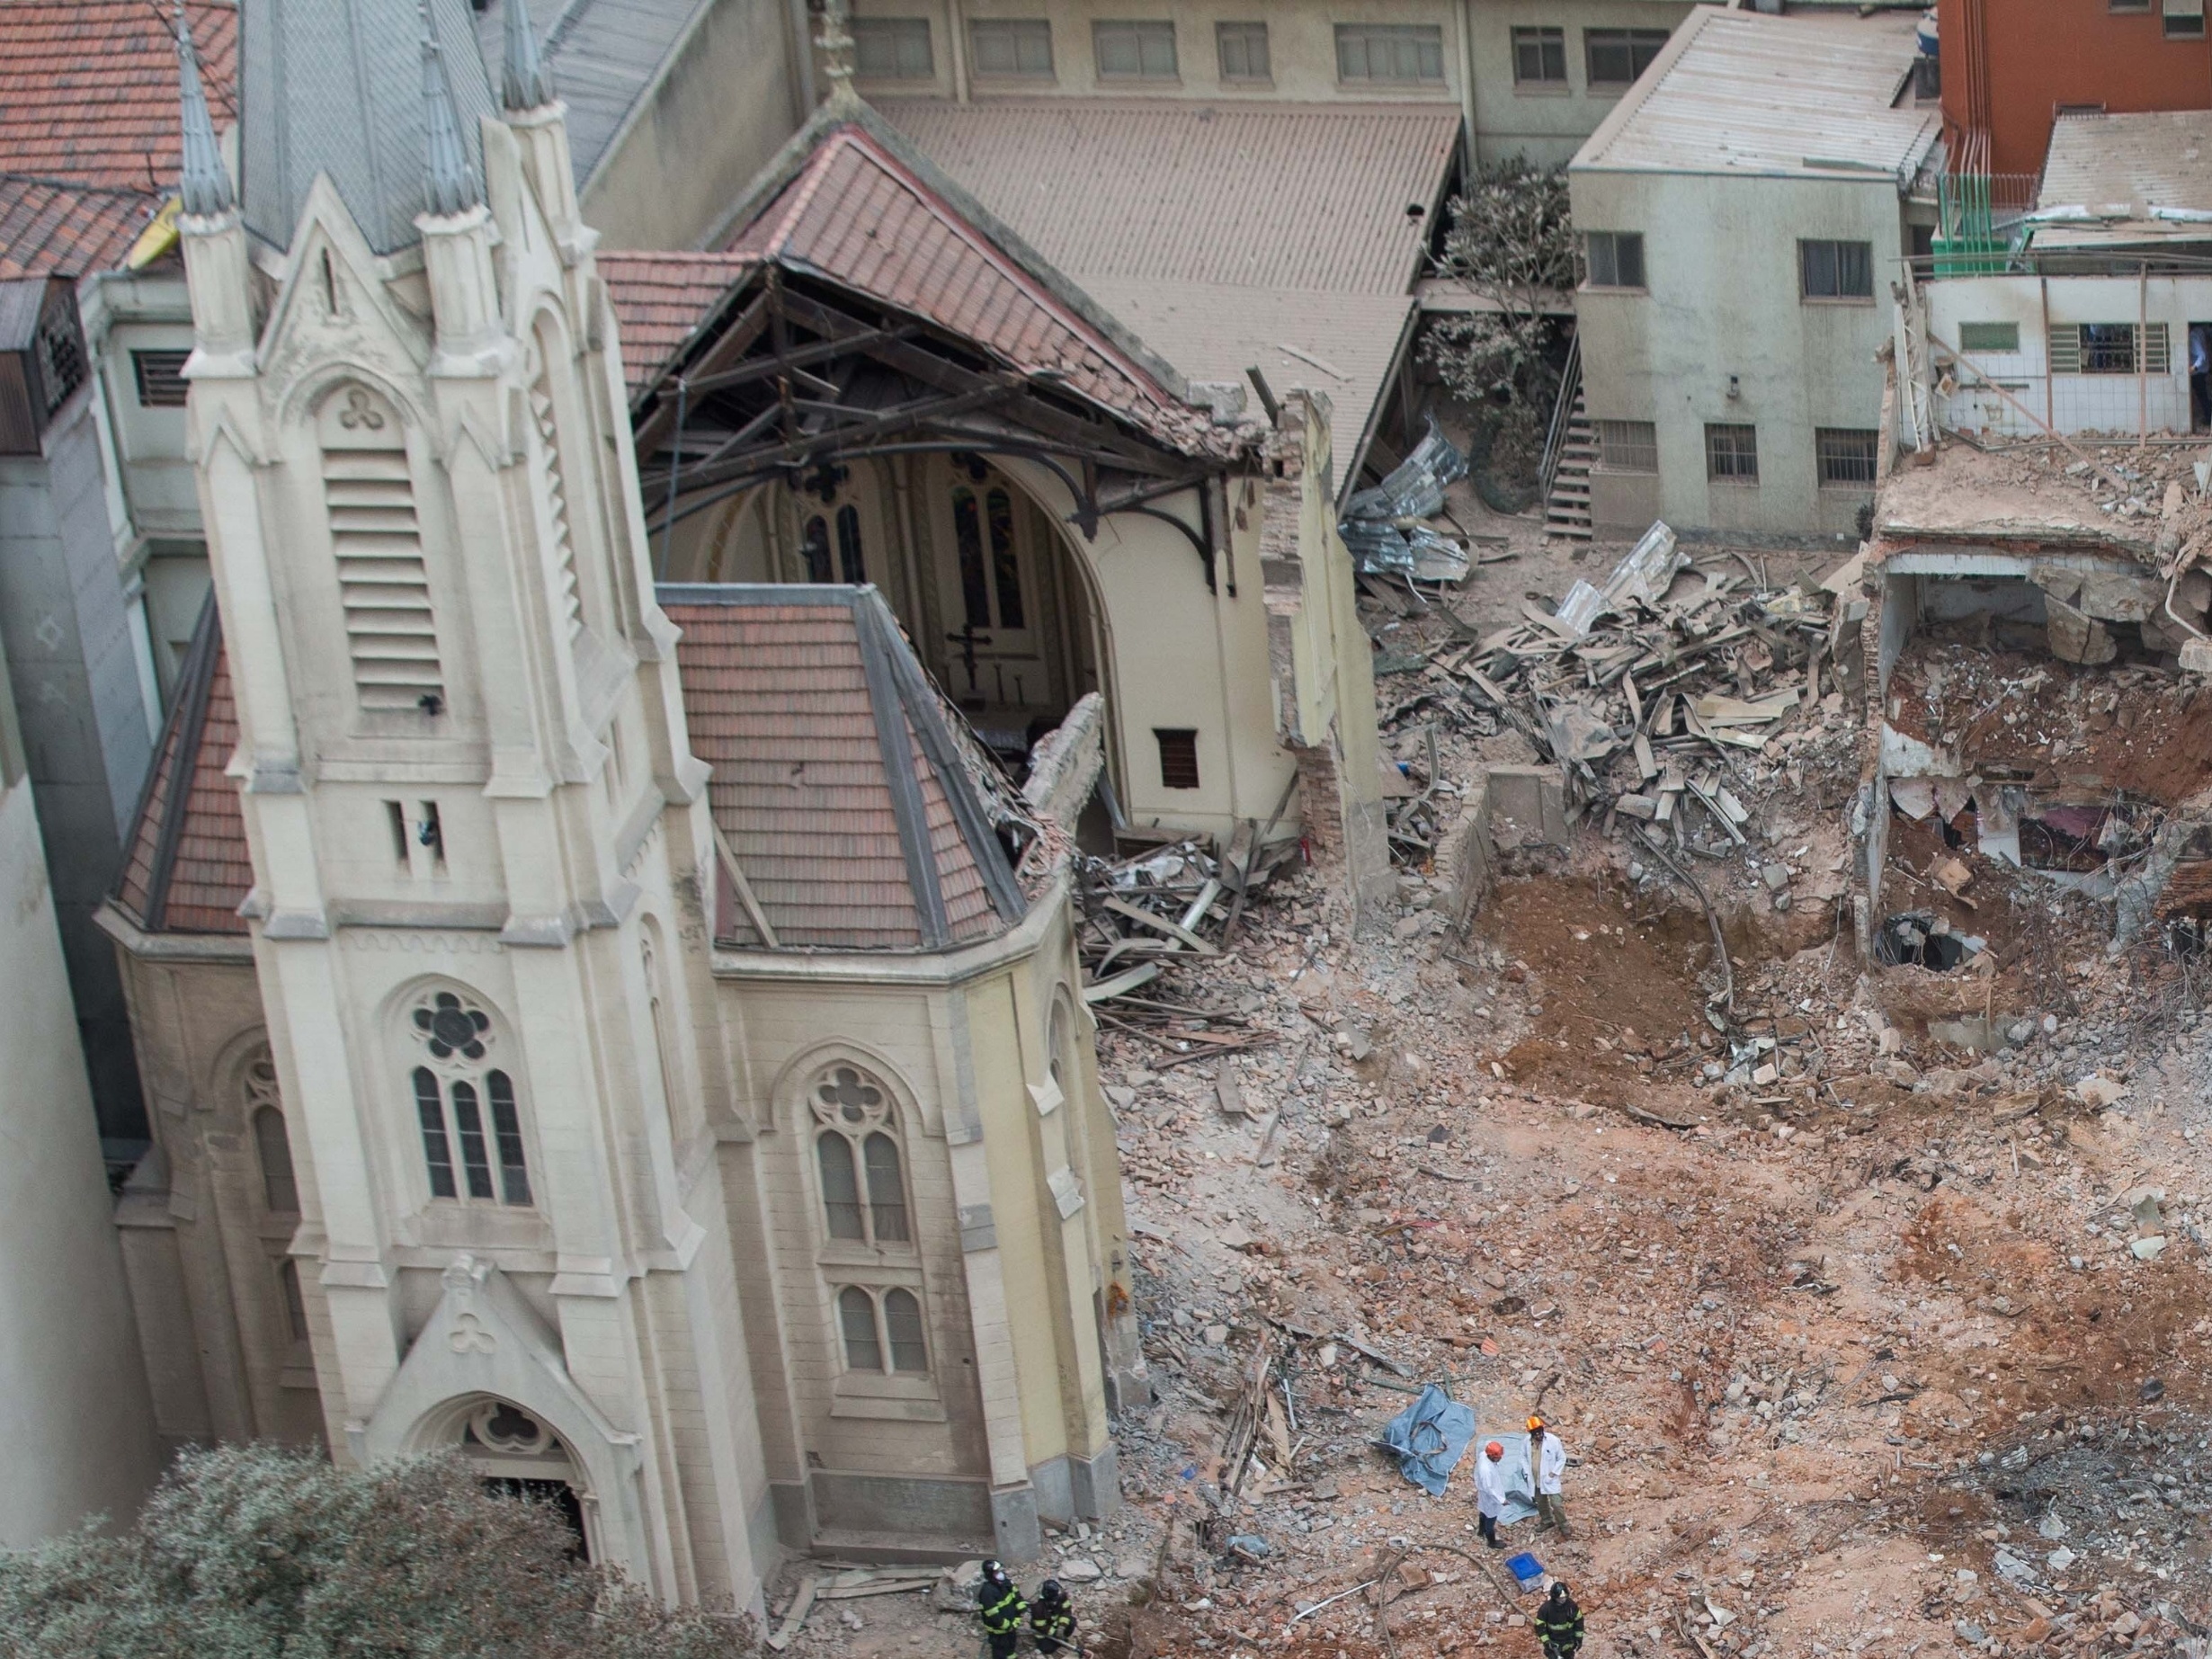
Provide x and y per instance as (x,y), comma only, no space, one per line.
(1526,1569)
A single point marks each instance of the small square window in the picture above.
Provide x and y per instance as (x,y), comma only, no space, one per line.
(1835,270)
(1134,52)
(1628,446)
(1613,258)
(2184,19)
(1731,453)
(1012,47)
(1989,337)
(1614,58)
(1539,58)
(161,379)
(1845,457)
(1401,52)
(1244,51)
(893,48)
(1178,758)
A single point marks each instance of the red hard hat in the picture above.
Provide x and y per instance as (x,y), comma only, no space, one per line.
(1493,1450)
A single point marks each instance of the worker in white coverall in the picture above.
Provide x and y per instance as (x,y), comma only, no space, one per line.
(1547,1458)
(1490,1492)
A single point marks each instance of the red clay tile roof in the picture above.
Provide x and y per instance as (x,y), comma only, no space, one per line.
(865,210)
(804,732)
(67,230)
(661,301)
(188,874)
(88,92)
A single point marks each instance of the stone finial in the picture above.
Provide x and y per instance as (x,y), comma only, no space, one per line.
(203,182)
(450,181)
(524,81)
(836,43)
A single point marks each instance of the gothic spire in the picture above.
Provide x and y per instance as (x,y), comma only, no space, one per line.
(450,181)
(203,182)
(523,80)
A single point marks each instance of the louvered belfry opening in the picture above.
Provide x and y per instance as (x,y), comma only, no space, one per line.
(390,631)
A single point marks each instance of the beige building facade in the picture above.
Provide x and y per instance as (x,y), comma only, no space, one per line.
(618,1031)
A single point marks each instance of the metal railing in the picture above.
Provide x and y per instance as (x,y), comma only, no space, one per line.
(1980,222)
(1562,413)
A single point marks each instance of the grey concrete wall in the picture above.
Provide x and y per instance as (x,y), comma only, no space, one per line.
(1545,124)
(1720,258)
(66,624)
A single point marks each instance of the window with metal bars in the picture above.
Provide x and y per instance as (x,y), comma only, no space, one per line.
(161,380)
(1628,446)
(1845,456)
(1179,767)
(1731,453)
(2107,348)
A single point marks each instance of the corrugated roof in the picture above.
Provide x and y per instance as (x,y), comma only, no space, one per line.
(1745,92)
(49,229)
(846,203)
(2116,169)
(1248,195)
(660,300)
(836,781)
(188,870)
(88,92)
(605,55)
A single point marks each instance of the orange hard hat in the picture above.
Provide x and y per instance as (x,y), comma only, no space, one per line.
(1494,1451)
(1535,1423)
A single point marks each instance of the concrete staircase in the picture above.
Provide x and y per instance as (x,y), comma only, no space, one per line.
(1567,509)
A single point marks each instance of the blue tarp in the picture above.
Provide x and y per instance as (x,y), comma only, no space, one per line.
(1430,1437)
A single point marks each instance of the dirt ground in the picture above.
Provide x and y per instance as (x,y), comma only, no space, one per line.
(1900,1349)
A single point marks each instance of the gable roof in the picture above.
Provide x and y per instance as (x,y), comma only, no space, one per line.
(88,88)
(1768,96)
(187,870)
(851,200)
(838,784)
(661,301)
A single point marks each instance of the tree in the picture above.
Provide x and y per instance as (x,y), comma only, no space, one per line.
(253,1552)
(1512,240)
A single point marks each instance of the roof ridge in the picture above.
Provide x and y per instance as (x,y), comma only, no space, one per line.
(76,188)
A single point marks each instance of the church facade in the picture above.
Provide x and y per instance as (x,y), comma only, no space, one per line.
(626,1033)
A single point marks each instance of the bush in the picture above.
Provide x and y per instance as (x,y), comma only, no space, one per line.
(253,1552)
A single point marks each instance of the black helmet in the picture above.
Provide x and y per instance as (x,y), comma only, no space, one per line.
(1560,1591)
(1050,1591)
(994,1572)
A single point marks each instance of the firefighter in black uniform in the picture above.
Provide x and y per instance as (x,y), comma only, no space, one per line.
(1052,1619)
(999,1605)
(1559,1625)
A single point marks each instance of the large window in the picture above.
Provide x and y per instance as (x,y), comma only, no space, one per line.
(882,1331)
(465,1107)
(1011,45)
(1613,259)
(893,48)
(1628,446)
(1134,50)
(1835,270)
(1401,52)
(2107,348)
(1614,58)
(1539,58)
(1731,453)
(857,1155)
(1243,48)
(983,533)
(1845,456)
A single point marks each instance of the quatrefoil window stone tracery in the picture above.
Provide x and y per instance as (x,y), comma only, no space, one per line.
(848,1100)
(448,1027)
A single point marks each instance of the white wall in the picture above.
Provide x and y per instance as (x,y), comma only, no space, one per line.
(2115,403)
(1720,257)
(75,1414)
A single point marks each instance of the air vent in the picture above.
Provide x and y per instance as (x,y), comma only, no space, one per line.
(389,630)
(570,610)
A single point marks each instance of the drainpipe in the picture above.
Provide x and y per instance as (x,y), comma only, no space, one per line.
(957,28)
(1466,82)
(802,56)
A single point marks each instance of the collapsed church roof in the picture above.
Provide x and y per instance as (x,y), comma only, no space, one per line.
(839,788)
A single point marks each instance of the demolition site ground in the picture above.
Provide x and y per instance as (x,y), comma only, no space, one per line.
(1861,1341)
